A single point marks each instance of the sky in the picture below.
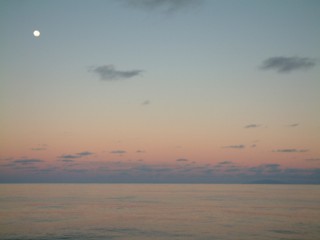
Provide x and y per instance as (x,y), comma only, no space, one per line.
(152,91)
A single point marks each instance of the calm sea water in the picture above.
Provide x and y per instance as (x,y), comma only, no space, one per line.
(156,211)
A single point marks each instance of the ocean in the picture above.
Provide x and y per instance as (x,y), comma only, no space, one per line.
(159,211)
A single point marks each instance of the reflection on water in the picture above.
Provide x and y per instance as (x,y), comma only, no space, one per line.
(159,211)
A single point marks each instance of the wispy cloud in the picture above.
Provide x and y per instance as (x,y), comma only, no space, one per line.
(67,160)
(118,152)
(293,125)
(40,147)
(110,73)
(182,160)
(224,162)
(85,153)
(313,159)
(146,102)
(140,151)
(45,170)
(287,64)
(69,156)
(252,126)
(164,5)
(290,150)
(240,146)
(27,161)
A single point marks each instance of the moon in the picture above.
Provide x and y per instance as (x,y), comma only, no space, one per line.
(36,33)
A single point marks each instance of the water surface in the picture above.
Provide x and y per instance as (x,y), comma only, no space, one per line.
(159,211)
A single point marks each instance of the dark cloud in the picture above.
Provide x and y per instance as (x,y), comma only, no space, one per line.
(287,64)
(69,156)
(77,155)
(266,168)
(164,5)
(144,168)
(182,160)
(118,152)
(46,170)
(240,146)
(78,170)
(133,171)
(225,167)
(299,171)
(224,162)
(233,169)
(85,153)
(290,150)
(252,126)
(27,161)
(109,73)
(272,165)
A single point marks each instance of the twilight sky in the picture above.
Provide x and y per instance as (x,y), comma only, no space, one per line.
(160,91)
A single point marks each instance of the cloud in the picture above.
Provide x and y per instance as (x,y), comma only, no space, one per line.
(77,170)
(182,160)
(77,155)
(313,159)
(296,171)
(140,151)
(266,168)
(235,146)
(109,73)
(67,160)
(8,165)
(290,150)
(165,5)
(118,152)
(46,170)
(293,125)
(134,171)
(233,169)
(69,156)
(224,162)
(146,102)
(288,64)
(152,169)
(85,153)
(252,126)
(38,149)
(27,161)
(272,165)
(225,167)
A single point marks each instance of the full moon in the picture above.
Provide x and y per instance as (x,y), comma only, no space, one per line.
(36,33)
